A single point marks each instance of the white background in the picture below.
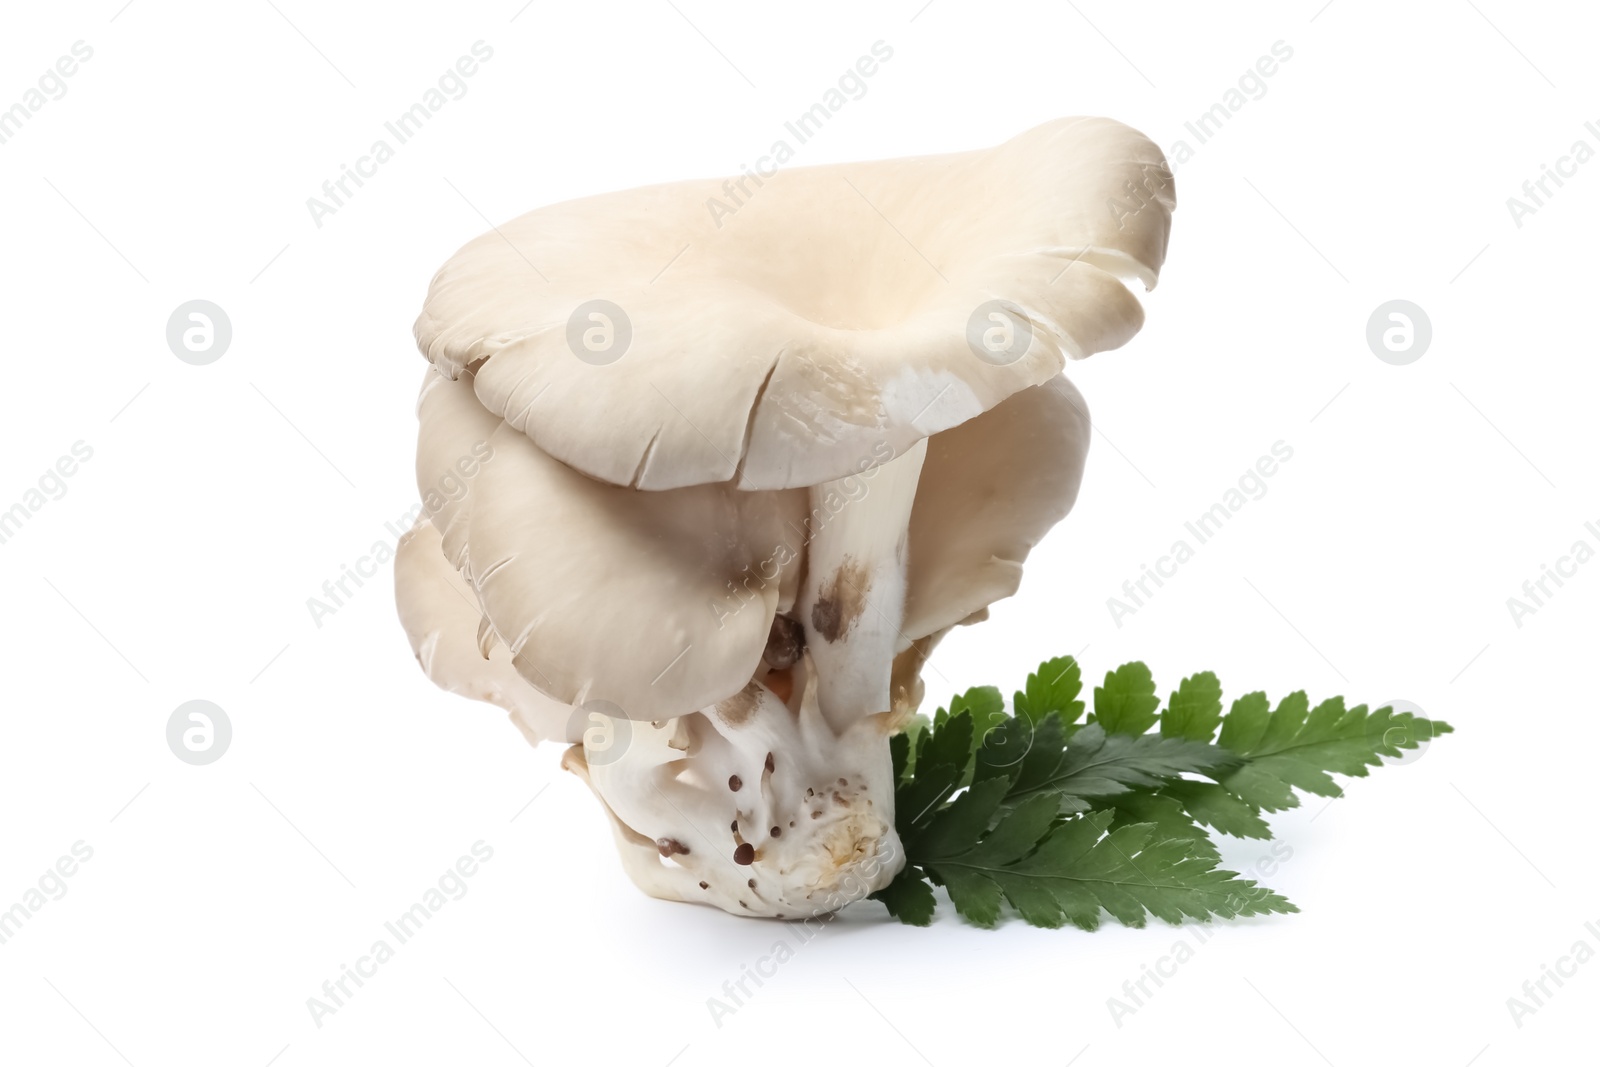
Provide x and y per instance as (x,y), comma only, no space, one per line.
(219,498)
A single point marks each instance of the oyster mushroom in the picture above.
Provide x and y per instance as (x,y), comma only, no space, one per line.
(744,477)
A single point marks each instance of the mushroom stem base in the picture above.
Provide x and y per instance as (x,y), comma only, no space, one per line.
(751,807)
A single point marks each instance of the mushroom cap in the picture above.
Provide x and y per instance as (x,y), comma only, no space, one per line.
(657,602)
(438,610)
(453,442)
(991,488)
(778,332)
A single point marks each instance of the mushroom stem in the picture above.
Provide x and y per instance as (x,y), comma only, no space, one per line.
(752,806)
(853,601)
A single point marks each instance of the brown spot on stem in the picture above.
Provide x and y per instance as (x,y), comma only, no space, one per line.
(769,763)
(737,709)
(745,854)
(668,846)
(777,831)
(841,600)
(705,885)
(735,783)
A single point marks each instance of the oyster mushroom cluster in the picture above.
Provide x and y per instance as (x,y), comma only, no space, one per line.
(702,493)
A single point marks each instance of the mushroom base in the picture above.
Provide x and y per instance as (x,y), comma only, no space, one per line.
(757,808)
